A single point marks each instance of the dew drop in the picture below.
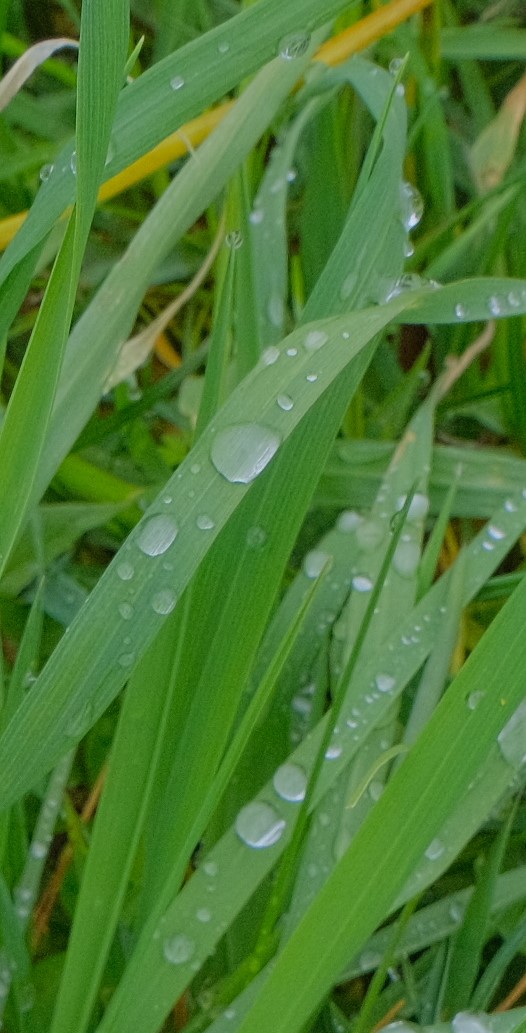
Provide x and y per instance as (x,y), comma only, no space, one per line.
(395,65)
(460,311)
(178,949)
(348,521)
(256,216)
(434,850)
(369,534)
(125,571)
(205,523)
(495,305)
(470,1022)
(510,506)
(361,583)
(315,339)
(294,45)
(164,601)
(418,507)
(234,240)
(259,825)
(270,355)
(285,402)
(256,537)
(223,47)
(512,738)
(314,562)
(333,752)
(73,163)
(290,782)
(292,352)
(157,534)
(311,378)
(38,849)
(384,682)
(496,533)
(348,286)
(514,299)
(195,468)
(475,698)
(406,558)
(45,173)
(210,868)
(456,911)
(126,611)
(241,452)
(177,82)
(412,205)
(275,310)
(203,914)
(126,659)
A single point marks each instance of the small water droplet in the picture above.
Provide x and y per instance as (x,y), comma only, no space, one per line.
(333,752)
(495,305)
(177,82)
(73,163)
(38,849)
(178,949)
(256,537)
(395,65)
(126,611)
(195,468)
(290,782)
(512,738)
(314,562)
(514,299)
(275,310)
(210,868)
(234,240)
(241,452)
(361,583)
(270,355)
(315,339)
(259,825)
(205,523)
(384,682)
(223,47)
(285,402)
(126,659)
(460,311)
(456,911)
(203,914)
(292,352)
(496,533)
(412,205)
(475,698)
(156,534)
(45,173)
(311,378)
(510,506)
(291,175)
(434,850)
(375,790)
(348,286)
(164,601)
(256,216)
(294,45)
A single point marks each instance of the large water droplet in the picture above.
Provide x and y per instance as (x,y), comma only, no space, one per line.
(348,521)
(333,752)
(314,562)
(178,949)
(164,601)
(242,451)
(418,507)
(315,339)
(259,825)
(470,1022)
(512,738)
(294,45)
(412,205)
(285,402)
(290,782)
(406,558)
(157,534)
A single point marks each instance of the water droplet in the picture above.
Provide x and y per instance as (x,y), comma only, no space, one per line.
(205,523)
(315,339)
(203,914)
(270,355)
(210,868)
(291,175)
(384,682)
(475,698)
(496,533)
(38,849)
(275,310)
(234,240)
(73,163)
(229,1013)
(470,1022)
(434,850)
(418,507)
(395,65)
(156,534)
(412,205)
(126,611)
(348,286)
(45,173)
(290,782)
(294,45)
(285,402)
(369,534)
(256,537)
(495,305)
(333,752)
(460,311)
(301,705)
(370,960)
(126,659)
(292,352)
(256,216)
(259,825)
(456,911)
(348,521)
(177,82)
(311,378)
(512,738)
(240,452)
(514,299)
(510,506)
(178,949)
(314,562)
(164,601)
(223,47)
(406,558)
(361,583)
